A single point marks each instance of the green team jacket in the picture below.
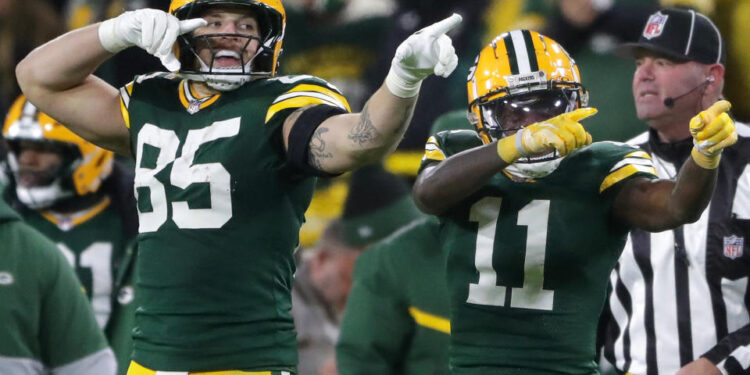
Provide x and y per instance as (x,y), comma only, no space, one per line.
(47,322)
(396,317)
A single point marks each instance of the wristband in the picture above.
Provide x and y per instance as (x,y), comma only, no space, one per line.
(704,161)
(399,87)
(108,37)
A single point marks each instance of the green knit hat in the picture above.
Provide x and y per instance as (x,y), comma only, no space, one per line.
(378,204)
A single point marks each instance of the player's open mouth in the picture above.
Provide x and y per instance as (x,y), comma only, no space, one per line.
(227,59)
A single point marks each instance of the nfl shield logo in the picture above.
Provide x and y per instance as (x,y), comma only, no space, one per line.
(733,246)
(655,25)
(194,107)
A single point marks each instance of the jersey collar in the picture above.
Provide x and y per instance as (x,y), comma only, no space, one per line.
(190,101)
(68,221)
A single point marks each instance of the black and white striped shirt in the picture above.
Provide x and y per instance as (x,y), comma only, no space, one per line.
(682,294)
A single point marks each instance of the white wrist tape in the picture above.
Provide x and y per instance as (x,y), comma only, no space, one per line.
(108,36)
(401,88)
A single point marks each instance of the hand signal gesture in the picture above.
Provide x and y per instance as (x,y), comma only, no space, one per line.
(563,133)
(425,52)
(150,29)
(712,131)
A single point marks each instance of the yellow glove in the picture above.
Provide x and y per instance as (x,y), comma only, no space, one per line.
(563,133)
(712,131)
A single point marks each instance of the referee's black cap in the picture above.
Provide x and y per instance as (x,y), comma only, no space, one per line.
(680,35)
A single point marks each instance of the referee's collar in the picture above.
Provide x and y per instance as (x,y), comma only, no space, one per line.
(675,152)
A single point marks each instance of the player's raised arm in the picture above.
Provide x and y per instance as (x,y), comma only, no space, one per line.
(345,141)
(656,205)
(58,76)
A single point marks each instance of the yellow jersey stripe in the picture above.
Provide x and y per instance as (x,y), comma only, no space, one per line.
(633,161)
(430,321)
(639,154)
(624,173)
(323,90)
(432,150)
(209,101)
(183,98)
(124,111)
(137,369)
(80,218)
(298,102)
(436,155)
(125,93)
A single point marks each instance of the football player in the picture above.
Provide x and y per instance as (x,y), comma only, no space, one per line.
(225,157)
(534,215)
(74,193)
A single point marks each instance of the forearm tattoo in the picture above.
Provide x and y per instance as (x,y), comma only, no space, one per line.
(364,132)
(317,151)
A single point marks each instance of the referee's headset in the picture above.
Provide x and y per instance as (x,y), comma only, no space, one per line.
(669,101)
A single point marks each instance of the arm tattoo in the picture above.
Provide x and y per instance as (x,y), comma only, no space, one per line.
(317,150)
(364,131)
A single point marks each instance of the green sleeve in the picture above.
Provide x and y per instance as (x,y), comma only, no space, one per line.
(376,326)
(68,330)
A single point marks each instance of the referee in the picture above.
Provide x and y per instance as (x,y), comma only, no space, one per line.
(679,300)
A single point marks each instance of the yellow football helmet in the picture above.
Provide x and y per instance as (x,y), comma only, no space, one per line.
(521,77)
(84,165)
(271,19)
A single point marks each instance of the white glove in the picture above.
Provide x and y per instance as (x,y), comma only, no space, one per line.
(425,52)
(153,30)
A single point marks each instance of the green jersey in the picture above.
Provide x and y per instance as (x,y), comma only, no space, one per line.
(528,262)
(220,209)
(93,244)
(396,317)
(46,320)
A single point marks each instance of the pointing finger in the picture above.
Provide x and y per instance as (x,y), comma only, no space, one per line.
(187,26)
(580,114)
(442,27)
(716,109)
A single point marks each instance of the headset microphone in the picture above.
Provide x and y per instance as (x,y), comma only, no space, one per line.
(669,101)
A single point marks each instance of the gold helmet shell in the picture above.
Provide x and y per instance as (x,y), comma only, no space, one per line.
(515,63)
(90,164)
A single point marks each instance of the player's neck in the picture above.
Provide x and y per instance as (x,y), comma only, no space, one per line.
(202,90)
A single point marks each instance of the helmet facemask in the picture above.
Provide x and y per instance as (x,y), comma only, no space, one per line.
(222,78)
(505,115)
(47,187)
(260,65)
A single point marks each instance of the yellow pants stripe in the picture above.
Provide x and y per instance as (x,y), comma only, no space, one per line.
(136,369)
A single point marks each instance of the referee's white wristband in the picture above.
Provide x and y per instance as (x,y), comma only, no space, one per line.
(108,37)
(401,88)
